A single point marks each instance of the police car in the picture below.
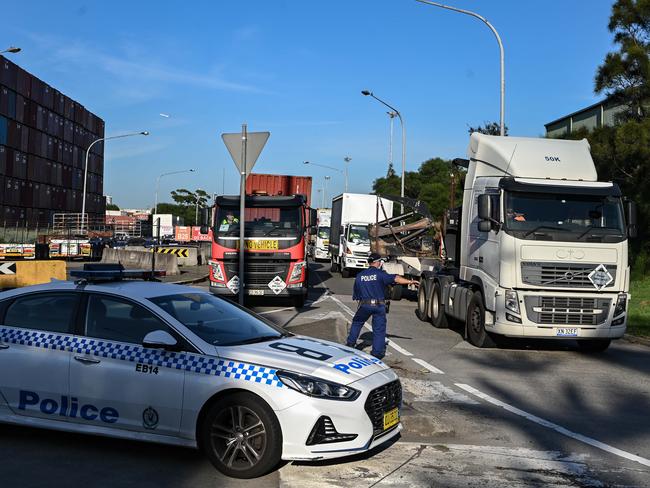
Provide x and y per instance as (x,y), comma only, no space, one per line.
(174,364)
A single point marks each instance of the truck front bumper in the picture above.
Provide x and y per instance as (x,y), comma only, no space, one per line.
(559,315)
(355,262)
(292,290)
(321,253)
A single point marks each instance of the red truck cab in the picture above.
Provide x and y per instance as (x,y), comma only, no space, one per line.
(276,232)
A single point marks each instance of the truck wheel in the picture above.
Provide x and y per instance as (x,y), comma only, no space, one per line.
(422,311)
(396,292)
(334,267)
(241,436)
(345,273)
(438,316)
(475,322)
(594,345)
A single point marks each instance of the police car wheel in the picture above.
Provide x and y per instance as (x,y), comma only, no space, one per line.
(475,322)
(241,436)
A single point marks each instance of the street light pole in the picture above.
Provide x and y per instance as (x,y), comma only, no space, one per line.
(392,115)
(502,130)
(326,180)
(347,160)
(196,213)
(401,121)
(83,200)
(158,183)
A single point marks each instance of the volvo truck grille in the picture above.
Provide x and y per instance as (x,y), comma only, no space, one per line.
(563,275)
(567,310)
(258,273)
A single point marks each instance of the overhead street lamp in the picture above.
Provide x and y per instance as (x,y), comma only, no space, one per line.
(401,121)
(345,159)
(167,174)
(326,180)
(502,130)
(83,201)
(11,49)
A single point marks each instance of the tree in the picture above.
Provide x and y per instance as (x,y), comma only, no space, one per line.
(489,128)
(186,203)
(625,74)
(112,206)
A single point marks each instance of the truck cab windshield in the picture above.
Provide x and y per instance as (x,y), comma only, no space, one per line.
(541,216)
(324,232)
(260,222)
(358,234)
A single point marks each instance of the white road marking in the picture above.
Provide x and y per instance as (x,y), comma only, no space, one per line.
(434,392)
(557,428)
(428,366)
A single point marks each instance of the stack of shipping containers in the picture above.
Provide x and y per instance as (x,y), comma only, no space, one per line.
(43,140)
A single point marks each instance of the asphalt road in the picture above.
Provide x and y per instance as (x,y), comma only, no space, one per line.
(530,414)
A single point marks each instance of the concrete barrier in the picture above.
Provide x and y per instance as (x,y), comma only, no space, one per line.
(14,274)
(205,252)
(141,259)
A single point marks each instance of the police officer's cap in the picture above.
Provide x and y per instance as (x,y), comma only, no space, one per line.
(374,257)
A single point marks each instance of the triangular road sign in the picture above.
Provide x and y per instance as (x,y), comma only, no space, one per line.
(254,145)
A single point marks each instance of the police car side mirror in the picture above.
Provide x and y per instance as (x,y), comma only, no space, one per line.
(159,339)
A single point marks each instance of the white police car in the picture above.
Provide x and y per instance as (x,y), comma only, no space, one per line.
(173,364)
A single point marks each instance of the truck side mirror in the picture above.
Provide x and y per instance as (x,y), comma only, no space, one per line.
(484,207)
(630,210)
(484,226)
(205,220)
(313,217)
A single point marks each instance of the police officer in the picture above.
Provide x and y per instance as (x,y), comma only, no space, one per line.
(370,291)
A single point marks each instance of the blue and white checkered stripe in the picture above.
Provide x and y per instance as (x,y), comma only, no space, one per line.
(137,354)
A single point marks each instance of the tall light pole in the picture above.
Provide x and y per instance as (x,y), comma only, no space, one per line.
(401,121)
(325,181)
(502,126)
(391,115)
(346,160)
(11,49)
(83,200)
(167,174)
(196,213)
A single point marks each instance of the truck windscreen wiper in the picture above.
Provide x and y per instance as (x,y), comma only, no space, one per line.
(539,227)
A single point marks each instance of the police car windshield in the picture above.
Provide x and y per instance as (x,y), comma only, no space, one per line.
(216,321)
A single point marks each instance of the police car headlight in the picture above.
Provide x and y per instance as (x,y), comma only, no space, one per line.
(512,301)
(315,387)
(296,272)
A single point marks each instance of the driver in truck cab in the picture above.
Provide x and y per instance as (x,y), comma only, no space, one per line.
(230,219)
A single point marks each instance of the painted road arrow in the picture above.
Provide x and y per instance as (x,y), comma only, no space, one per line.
(8,268)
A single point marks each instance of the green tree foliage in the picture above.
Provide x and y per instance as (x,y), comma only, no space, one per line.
(625,73)
(489,128)
(112,206)
(431,183)
(185,206)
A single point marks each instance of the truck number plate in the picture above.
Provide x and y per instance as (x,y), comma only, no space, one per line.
(263,244)
(255,292)
(391,418)
(563,332)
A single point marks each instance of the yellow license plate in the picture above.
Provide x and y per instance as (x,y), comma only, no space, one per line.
(326,243)
(262,244)
(391,418)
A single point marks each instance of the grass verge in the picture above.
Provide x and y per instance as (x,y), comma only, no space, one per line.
(638,322)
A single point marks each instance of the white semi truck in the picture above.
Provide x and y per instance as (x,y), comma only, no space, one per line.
(540,249)
(349,244)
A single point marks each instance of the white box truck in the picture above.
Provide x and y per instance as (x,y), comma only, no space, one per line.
(541,248)
(349,242)
(320,246)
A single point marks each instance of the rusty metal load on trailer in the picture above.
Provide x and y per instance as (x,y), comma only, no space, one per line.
(408,234)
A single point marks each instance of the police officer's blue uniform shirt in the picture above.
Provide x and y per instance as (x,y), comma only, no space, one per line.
(371,284)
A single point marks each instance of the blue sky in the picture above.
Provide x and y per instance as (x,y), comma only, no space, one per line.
(296,68)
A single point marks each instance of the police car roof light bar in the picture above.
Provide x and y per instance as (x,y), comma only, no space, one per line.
(94,273)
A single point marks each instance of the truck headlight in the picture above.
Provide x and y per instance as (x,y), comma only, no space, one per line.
(296,272)
(315,387)
(512,301)
(216,271)
(621,305)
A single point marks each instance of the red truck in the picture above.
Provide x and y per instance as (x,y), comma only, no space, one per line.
(276,226)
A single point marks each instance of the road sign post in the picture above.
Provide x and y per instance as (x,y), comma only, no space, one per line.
(244,149)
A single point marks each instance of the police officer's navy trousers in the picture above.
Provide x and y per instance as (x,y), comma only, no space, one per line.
(378,313)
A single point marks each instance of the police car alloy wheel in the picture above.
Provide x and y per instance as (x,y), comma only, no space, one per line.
(241,436)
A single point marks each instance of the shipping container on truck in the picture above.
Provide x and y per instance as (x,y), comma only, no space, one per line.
(276,226)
